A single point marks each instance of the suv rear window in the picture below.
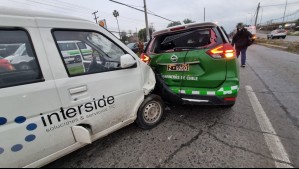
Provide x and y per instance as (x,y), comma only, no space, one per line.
(190,39)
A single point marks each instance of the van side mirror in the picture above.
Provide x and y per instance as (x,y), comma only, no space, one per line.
(127,61)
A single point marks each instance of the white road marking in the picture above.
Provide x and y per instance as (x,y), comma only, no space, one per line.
(274,144)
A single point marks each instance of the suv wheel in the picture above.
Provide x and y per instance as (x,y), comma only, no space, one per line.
(150,113)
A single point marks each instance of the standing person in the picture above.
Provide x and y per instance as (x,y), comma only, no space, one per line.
(241,40)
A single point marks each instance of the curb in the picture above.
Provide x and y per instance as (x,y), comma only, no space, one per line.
(275,46)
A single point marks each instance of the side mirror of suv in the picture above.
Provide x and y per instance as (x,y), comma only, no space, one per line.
(127,61)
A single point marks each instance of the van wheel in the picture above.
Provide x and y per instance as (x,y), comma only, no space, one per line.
(150,113)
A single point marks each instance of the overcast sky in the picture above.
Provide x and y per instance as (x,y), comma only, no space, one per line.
(225,12)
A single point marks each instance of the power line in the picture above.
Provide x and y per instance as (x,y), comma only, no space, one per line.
(55,6)
(73,5)
(280,4)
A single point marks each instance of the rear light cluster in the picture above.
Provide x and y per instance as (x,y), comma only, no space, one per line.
(230,99)
(222,51)
(145,58)
(178,28)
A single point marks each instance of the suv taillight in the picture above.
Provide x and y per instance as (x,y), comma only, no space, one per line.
(145,58)
(222,51)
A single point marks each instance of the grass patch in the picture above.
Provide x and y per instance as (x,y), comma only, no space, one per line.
(291,46)
(293,33)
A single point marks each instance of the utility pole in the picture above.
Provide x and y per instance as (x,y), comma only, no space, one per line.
(146,22)
(257,13)
(262,16)
(95,16)
(204,14)
(137,34)
(285,9)
(116,14)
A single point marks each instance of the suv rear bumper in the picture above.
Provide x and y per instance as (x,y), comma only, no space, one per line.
(216,96)
(204,100)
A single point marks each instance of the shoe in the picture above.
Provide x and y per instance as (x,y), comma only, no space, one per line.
(243,66)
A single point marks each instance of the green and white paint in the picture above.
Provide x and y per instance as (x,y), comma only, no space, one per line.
(206,92)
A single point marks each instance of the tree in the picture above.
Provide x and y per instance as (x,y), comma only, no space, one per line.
(186,21)
(174,24)
(142,33)
(124,36)
(297,22)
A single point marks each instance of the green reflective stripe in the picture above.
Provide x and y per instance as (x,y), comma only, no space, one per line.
(175,90)
(73,53)
(221,92)
(78,53)
(86,51)
(203,93)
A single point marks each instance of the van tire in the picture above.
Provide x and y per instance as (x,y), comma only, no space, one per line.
(151,112)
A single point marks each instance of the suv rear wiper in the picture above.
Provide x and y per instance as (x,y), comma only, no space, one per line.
(187,48)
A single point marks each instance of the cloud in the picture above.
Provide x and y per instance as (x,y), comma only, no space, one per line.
(226,13)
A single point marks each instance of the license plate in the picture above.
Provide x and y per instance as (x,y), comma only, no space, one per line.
(178,68)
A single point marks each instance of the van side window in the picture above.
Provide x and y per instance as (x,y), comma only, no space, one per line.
(18,62)
(93,53)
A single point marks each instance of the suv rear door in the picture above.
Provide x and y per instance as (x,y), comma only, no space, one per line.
(182,59)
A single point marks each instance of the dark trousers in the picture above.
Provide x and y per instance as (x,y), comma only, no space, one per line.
(242,51)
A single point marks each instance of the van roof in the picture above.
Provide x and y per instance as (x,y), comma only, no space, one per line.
(187,26)
(35,14)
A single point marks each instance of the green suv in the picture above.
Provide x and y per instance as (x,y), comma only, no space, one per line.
(194,64)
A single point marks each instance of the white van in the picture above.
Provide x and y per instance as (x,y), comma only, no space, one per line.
(56,107)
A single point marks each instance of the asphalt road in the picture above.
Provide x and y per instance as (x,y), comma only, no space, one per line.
(261,130)
(288,38)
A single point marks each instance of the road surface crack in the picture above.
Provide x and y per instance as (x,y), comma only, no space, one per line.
(184,123)
(246,150)
(284,108)
(257,131)
(187,144)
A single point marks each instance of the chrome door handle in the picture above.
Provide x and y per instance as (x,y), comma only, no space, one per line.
(78,90)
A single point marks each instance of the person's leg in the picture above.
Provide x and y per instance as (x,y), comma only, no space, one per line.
(243,55)
(238,51)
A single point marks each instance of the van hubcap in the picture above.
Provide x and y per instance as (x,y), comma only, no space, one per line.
(152,112)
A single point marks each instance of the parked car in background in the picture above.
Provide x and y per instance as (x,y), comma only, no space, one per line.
(133,47)
(252,30)
(194,64)
(277,34)
(74,51)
